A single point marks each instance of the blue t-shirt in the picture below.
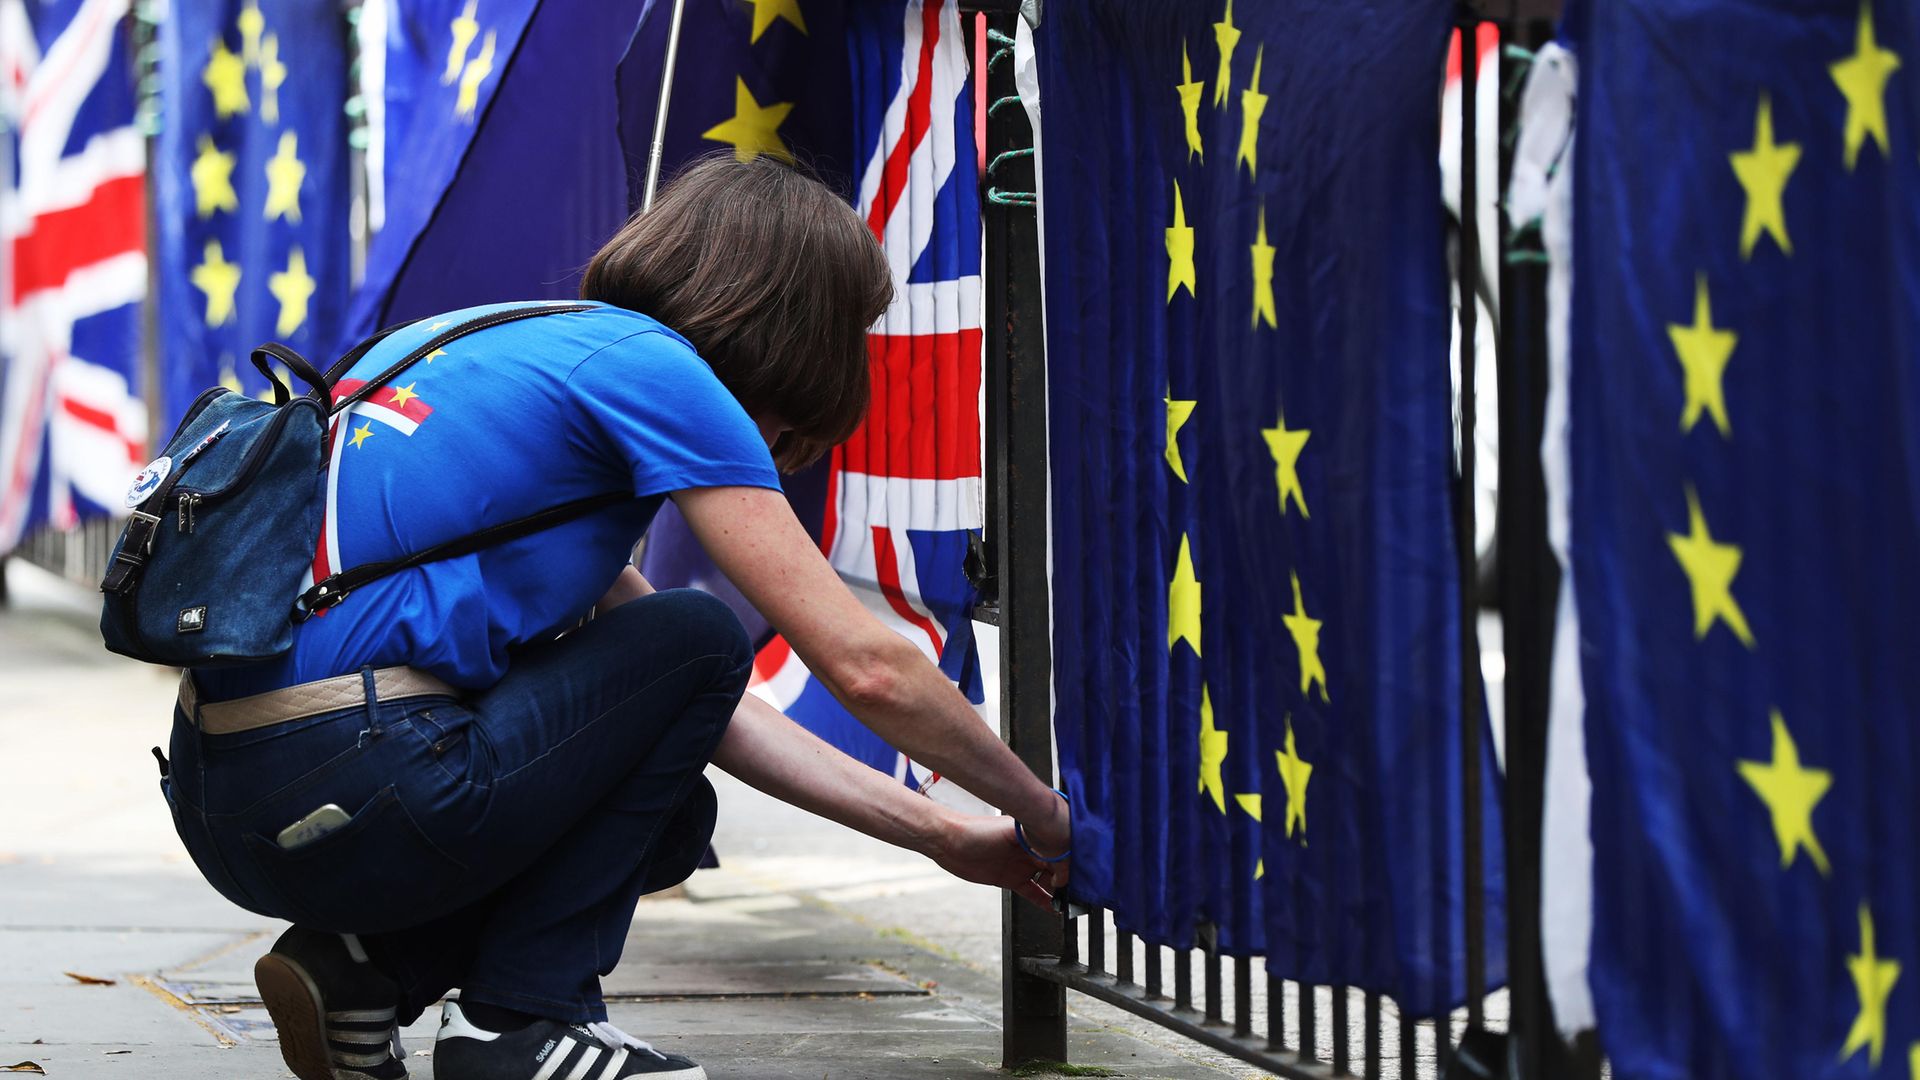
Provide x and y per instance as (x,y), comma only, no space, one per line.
(504,422)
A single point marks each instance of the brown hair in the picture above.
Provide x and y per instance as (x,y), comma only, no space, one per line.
(772,277)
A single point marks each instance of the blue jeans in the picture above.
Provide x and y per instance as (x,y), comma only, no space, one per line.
(498,844)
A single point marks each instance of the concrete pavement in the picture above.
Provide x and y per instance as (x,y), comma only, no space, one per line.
(813,952)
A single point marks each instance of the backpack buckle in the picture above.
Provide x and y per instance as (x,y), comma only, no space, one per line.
(317,599)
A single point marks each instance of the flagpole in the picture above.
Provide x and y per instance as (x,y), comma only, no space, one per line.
(660,117)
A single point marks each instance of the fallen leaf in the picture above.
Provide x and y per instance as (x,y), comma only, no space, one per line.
(88,980)
(110,1053)
(25,1067)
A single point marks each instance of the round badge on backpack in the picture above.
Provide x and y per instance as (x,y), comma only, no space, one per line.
(148,481)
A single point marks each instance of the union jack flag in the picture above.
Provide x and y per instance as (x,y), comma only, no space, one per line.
(906,489)
(72,227)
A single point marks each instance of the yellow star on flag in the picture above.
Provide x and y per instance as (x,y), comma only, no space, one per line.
(439,325)
(1306,639)
(230,379)
(1710,567)
(1183,601)
(752,130)
(1763,171)
(272,74)
(292,287)
(250,22)
(1873,980)
(285,173)
(1213,751)
(1285,445)
(1177,414)
(1703,350)
(1180,271)
(226,77)
(1190,93)
(1862,77)
(1226,36)
(1790,792)
(1294,774)
(437,352)
(212,174)
(1252,104)
(468,103)
(766,11)
(1263,308)
(361,434)
(403,394)
(218,278)
(1251,804)
(464,28)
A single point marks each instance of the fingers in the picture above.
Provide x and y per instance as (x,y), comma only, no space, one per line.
(1058,874)
(1033,893)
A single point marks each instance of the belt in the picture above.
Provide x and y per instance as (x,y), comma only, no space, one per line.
(306,699)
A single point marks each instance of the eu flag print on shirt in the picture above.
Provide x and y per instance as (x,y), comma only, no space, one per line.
(1745,517)
(1256,599)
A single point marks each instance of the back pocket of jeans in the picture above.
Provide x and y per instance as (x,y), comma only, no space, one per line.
(375,874)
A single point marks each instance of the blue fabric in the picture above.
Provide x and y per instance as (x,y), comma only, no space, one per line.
(1718,951)
(1368,891)
(497,845)
(514,419)
(300,121)
(519,191)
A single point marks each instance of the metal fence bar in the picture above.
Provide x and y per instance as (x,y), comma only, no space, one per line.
(1015,376)
(1210,967)
(1276,1028)
(1342,1033)
(1183,980)
(1123,968)
(1243,997)
(1370,1040)
(1153,970)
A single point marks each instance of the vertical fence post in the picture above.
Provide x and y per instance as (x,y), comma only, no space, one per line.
(1473,857)
(1034,1009)
(1529,580)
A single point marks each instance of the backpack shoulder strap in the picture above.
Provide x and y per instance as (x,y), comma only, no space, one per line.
(335,588)
(438,341)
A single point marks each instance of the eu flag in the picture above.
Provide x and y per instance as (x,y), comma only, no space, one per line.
(1745,515)
(1256,599)
(495,171)
(251,177)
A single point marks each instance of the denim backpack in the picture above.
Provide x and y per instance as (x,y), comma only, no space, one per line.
(209,568)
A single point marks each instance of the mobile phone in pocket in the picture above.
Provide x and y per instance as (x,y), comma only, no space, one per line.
(313,826)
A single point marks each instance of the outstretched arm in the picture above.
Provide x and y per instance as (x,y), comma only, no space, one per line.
(753,537)
(778,756)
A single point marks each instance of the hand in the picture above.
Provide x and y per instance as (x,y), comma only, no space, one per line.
(1051,836)
(983,850)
